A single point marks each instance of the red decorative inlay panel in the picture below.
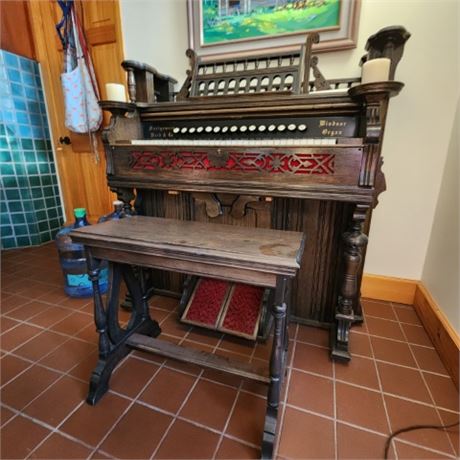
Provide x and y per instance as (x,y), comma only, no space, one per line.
(289,163)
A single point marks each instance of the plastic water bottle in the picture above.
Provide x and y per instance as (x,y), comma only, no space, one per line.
(73,260)
(118,212)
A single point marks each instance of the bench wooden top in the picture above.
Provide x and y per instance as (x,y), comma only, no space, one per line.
(263,250)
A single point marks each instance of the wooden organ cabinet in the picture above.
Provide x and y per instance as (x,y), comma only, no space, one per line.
(263,141)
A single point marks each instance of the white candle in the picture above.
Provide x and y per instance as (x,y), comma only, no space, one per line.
(115,92)
(375,70)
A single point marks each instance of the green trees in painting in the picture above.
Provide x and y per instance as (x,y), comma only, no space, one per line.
(227,20)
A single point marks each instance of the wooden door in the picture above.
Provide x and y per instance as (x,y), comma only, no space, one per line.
(82,180)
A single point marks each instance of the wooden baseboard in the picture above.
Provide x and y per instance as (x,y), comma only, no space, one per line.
(444,337)
(387,288)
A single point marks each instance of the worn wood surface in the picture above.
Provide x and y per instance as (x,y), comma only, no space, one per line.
(259,373)
(263,250)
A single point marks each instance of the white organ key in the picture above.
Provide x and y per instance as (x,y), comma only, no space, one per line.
(307,142)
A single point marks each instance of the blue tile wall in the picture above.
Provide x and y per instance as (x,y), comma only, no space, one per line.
(30,204)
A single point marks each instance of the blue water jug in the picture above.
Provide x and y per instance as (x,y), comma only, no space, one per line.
(73,261)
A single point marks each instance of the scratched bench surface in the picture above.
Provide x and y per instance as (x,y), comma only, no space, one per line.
(177,238)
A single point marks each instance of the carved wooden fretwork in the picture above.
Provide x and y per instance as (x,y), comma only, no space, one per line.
(185,89)
(277,163)
(320,83)
(354,242)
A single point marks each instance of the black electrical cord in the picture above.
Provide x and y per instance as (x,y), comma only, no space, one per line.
(413,428)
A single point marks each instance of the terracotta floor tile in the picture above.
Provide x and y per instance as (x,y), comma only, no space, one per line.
(12,302)
(42,344)
(404,382)
(88,334)
(168,390)
(5,415)
(84,369)
(99,455)
(28,310)
(406,451)
(158,315)
(165,303)
(13,338)
(19,437)
(157,359)
(51,316)
(137,434)
(360,371)
(11,366)
(58,447)
(313,335)
(73,323)
(173,327)
(311,392)
(392,351)
(58,401)
(56,295)
(353,443)
(27,386)
(443,390)
(205,336)
(237,345)
(360,344)
(231,450)
(313,359)
(416,335)
(76,303)
(208,394)
(404,413)
(132,376)
(406,314)
(91,423)
(378,309)
(384,328)
(264,349)
(187,441)
(68,355)
(361,407)
(453,432)
(294,443)
(7,323)
(34,289)
(247,420)
(428,359)
(257,388)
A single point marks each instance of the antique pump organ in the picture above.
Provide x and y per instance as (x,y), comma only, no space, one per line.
(263,141)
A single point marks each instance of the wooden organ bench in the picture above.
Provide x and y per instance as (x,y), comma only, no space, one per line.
(261,257)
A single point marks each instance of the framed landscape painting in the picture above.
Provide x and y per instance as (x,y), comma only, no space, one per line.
(225,27)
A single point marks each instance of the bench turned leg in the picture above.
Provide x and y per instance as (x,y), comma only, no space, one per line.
(112,337)
(277,368)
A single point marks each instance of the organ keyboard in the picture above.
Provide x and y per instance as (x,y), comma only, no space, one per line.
(255,141)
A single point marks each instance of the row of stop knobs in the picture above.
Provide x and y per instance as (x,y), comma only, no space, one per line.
(242,128)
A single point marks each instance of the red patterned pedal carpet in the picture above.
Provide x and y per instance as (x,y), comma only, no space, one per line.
(227,307)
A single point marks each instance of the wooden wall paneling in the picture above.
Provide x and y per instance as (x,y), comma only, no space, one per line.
(15,28)
(83,181)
